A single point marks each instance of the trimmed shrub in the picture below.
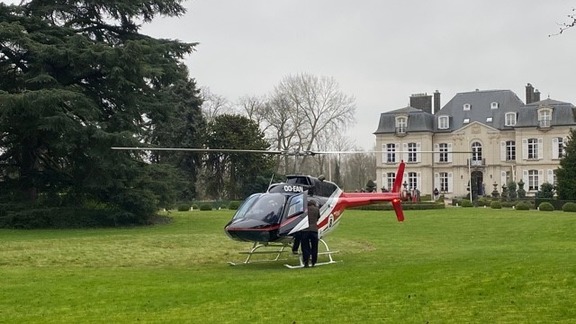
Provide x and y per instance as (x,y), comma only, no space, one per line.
(545,206)
(183,207)
(495,205)
(522,205)
(233,205)
(467,203)
(569,207)
(206,207)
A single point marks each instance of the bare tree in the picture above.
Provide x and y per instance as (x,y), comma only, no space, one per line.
(305,108)
(568,25)
(213,104)
(255,108)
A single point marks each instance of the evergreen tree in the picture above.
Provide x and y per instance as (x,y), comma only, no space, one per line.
(78,78)
(233,175)
(566,173)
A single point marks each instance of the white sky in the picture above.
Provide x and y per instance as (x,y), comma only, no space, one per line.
(379,51)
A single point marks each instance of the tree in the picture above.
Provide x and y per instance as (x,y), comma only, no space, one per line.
(301,109)
(566,173)
(234,175)
(213,104)
(546,191)
(78,78)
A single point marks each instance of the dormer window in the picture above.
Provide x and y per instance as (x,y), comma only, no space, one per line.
(401,124)
(466,120)
(510,119)
(489,119)
(467,106)
(494,105)
(544,117)
(443,122)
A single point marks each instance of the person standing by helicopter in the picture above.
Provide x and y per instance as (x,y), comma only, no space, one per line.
(309,236)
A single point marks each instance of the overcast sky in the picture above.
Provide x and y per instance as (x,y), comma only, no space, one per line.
(379,51)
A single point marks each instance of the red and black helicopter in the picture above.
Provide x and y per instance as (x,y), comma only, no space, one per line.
(271,218)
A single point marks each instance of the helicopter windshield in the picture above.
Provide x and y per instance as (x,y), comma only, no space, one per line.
(264,207)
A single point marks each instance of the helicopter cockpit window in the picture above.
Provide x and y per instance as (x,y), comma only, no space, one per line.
(295,206)
(246,205)
(266,207)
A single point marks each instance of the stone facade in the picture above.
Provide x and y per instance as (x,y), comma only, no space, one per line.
(482,138)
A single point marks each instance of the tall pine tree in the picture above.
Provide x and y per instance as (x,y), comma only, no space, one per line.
(77,77)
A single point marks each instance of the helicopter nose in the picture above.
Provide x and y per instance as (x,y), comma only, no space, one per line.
(251,230)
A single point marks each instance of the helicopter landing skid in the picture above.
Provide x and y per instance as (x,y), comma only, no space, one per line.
(326,252)
(277,250)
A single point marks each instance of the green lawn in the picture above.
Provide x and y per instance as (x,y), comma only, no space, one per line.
(459,265)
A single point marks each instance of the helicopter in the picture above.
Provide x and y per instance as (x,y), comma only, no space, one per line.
(270,219)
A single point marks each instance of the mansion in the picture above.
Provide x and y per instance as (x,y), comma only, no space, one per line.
(479,140)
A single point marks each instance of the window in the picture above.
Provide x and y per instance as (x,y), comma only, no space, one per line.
(510,150)
(443,156)
(466,120)
(443,122)
(494,105)
(466,106)
(532,180)
(390,178)
(510,119)
(532,149)
(558,148)
(488,119)
(544,117)
(390,153)
(401,124)
(412,153)
(444,182)
(412,180)
(476,153)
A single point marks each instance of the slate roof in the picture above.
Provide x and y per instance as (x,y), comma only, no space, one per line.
(480,108)
(563,113)
(480,111)
(418,120)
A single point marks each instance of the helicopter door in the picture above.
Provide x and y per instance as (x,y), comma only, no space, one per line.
(295,212)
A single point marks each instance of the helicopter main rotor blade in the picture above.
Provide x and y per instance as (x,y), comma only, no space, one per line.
(189,149)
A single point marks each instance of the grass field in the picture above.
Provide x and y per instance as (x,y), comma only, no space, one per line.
(459,265)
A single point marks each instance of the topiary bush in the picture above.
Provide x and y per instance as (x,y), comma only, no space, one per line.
(496,205)
(233,205)
(206,207)
(569,207)
(183,207)
(545,206)
(467,203)
(522,205)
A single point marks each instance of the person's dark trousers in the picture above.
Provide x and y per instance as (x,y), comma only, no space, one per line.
(296,242)
(313,238)
(309,247)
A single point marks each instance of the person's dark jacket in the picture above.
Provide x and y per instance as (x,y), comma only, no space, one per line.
(313,216)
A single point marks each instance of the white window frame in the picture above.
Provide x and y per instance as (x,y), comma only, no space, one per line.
(401,124)
(466,106)
(510,119)
(494,105)
(443,122)
(390,153)
(476,153)
(545,117)
(510,150)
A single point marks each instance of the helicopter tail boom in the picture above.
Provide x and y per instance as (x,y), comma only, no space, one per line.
(353,199)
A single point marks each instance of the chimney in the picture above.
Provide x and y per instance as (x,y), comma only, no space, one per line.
(421,101)
(536,95)
(529,94)
(436,102)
